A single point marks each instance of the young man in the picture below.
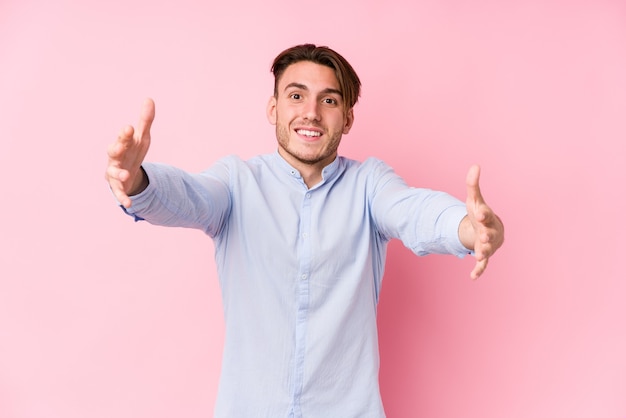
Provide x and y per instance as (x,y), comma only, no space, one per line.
(300,242)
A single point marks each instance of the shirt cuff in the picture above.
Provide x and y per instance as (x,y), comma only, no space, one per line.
(141,200)
(455,215)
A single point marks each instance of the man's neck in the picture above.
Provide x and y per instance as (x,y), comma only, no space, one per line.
(311,172)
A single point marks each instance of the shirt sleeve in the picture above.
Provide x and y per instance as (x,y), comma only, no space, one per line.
(175,197)
(426,221)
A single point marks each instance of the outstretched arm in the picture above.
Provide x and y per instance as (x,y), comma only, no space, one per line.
(481,230)
(126,154)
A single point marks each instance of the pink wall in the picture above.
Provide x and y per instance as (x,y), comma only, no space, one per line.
(100,317)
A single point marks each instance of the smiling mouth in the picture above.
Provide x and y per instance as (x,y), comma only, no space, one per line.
(308,134)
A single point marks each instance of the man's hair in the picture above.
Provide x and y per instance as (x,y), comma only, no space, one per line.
(349,82)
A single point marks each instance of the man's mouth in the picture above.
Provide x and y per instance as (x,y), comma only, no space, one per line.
(307,133)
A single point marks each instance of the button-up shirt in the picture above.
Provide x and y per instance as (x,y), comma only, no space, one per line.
(300,272)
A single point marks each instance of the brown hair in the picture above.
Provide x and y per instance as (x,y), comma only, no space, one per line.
(348,80)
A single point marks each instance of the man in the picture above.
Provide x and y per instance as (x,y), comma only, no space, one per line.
(300,242)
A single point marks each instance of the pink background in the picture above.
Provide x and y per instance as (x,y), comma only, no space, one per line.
(101,317)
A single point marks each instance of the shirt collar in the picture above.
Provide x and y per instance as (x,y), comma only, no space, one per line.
(328,172)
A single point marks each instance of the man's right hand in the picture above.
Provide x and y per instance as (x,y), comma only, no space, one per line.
(124,172)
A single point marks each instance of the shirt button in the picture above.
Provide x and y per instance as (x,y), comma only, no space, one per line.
(304,235)
(303,277)
(308,195)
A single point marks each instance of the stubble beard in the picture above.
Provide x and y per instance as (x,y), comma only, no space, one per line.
(283,136)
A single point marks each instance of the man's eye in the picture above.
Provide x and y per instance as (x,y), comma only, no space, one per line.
(329,100)
(295,96)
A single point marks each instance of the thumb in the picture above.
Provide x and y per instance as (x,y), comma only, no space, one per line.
(146,118)
(472,184)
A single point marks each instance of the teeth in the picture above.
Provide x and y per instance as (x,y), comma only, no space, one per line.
(307,133)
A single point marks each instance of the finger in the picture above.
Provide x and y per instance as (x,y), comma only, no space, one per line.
(122,198)
(483,213)
(115,151)
(479,269)
(472,183)
(146,118)
(483,250)
(115,173)
(489,230)
(117,188)
(126,135)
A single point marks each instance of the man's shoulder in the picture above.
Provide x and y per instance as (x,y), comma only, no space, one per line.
(368,164)
(234,160)
(234,166)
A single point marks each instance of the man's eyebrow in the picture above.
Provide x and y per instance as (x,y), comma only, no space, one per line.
(328,90)
(332,91)
(296,85)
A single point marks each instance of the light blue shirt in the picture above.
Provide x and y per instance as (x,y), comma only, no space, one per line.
(300,272)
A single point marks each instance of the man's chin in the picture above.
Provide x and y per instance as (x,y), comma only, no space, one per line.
(307,159)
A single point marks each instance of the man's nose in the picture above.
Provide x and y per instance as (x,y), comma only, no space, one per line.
(311,110)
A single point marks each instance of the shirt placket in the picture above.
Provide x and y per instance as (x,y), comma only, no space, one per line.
(302,306)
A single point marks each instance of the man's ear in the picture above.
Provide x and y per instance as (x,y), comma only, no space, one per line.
(349,121)
(271,110)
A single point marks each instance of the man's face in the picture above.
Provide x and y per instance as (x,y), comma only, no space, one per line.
(309,115)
